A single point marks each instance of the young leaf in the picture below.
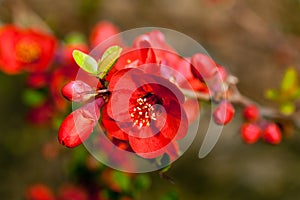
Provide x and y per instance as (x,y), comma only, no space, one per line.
(290,80)
(33,97)
(142,182)
(75,38)
(272,94)
(110,56)
(123,180)
(85,62)
(287,108)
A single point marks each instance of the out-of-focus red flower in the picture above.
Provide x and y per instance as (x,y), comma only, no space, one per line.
(57,80)
(71,192)
(39,192)
(42,114)
(157,41)
(78,125)
(25,50)
(146,110)
(51,149)
(37,80)
(102,31)
(67,71)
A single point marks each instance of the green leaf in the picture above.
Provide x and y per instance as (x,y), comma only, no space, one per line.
(57,122)
(171,195)
(296,94)
(290,80)
(75,38)
(33,97)
(122,180)
(142,182)
(287,108)
(85,62)
(272,94)
(110,56)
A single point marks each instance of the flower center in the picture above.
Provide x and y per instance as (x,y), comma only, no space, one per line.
(27,51)
(143,112)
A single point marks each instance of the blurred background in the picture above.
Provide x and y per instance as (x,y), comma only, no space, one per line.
(255,40)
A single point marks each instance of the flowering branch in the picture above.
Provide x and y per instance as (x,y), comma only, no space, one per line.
(237,98)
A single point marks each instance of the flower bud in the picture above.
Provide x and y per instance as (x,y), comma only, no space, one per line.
(224,113)
(272,134)
(250,133)
(78,125)
(251,113)
(77,91)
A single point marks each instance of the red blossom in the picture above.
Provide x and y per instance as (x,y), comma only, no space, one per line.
(102,31)
(39,192)
(78,125)
(42,114)
(37,80)
(146,110)
(25,50)
(71,192)
(202,66)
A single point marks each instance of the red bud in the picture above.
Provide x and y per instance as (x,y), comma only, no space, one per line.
(77,91)
(272,134)
(224,113)
(250,133)
(251,113)
(78,125)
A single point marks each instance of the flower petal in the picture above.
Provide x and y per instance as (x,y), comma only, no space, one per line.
(118,106)
(112,127)
(150,147)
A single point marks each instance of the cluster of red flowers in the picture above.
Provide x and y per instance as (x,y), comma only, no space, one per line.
(256,128)
(144,107)
(48,64)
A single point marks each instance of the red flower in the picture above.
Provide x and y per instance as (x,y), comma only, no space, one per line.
(71,192)
(37,80)
(146,110)
(25,49)
(42,114)
(39,192)
(102,31)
